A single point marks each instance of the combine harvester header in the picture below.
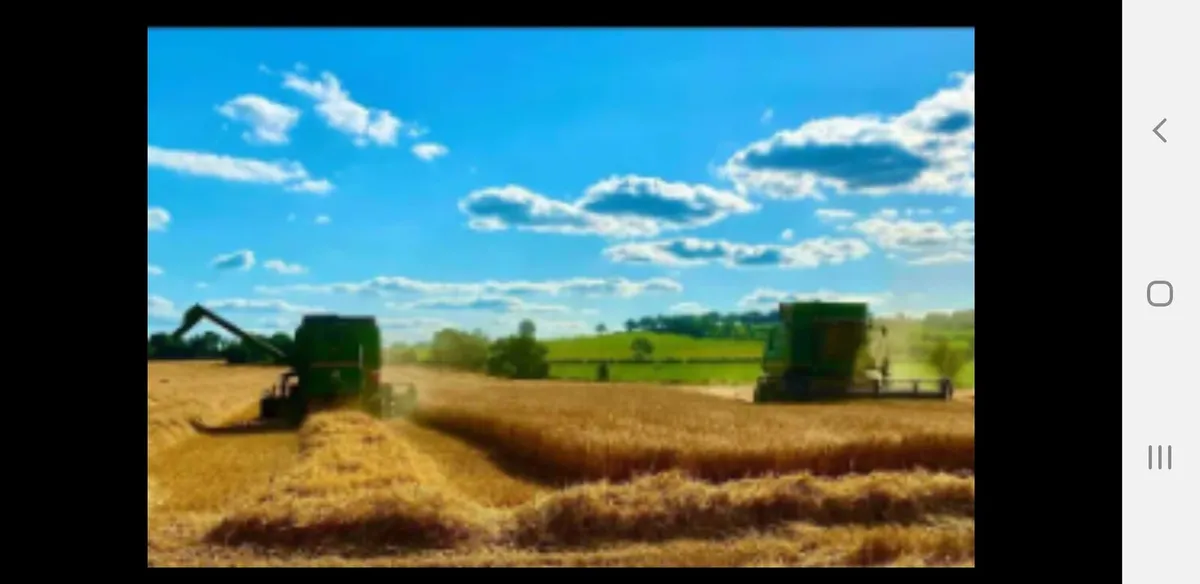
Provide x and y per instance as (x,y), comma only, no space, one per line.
(819,352)
(337,361)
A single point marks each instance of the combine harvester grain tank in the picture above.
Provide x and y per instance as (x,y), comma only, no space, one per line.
(821,351)
(336,362)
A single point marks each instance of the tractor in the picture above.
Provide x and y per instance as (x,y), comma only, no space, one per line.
(336,362)
(822,351)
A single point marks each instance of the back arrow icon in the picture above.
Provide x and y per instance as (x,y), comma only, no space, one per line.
(1155,130)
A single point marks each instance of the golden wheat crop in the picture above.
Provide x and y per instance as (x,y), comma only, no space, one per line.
(583,432)
(349,490)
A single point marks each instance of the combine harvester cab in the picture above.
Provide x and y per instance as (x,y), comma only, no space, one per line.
(819,352)
(337,362)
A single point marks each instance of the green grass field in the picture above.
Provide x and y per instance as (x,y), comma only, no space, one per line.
(667,346)
(720,374)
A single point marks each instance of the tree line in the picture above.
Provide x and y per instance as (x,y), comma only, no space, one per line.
(754,324)
(212,346)
(517,356)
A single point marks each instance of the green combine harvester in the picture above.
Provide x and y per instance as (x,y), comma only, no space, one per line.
(821,352)
(336,363)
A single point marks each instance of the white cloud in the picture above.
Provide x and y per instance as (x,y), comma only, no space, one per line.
(767,116)
(415,324)
(921,242)
(484,303)
(269,121)
(415,131)
(787,235)
(322,220)
(365,125)
(153,270)
(228,168)
(950,257)
(157,219)
(428,151)
(809,253)
(921,313)
(202,285)
(768,298)
(282,267)
(835,214)
(928,149)
(260,305)
(627,206)
(947,210)
(159,308)
(688,308)
(384,285)
(238,260)
(316,187)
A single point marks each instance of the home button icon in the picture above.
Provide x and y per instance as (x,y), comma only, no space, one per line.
(1165,295)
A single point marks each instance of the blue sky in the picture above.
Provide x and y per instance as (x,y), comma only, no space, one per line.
(476,177)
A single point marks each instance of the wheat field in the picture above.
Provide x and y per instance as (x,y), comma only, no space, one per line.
(501,473)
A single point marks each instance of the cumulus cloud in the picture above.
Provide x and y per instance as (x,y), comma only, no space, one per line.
(918,212)
(159,308)
(787,235)
(767,116)
(322,220)
(428,151)
(316,187)
(809,253)
(228,168)
(384,285)
(238,260)
(269,121)
(625,206)
(830,215)
(928,149)
(482,303)
(282,267)
(365,125)
(414,324)
(157,219)
(688,308)
(260,305)
(920,242)
(769,298)
(153,270)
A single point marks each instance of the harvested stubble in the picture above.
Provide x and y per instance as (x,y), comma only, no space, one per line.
(585,433)
(356,483)
(360,486)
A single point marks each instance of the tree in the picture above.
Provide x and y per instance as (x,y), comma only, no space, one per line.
(601,329)
(527,329)
(946,360)
(630,325)
(459,350)
(642,348)
(520,356)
